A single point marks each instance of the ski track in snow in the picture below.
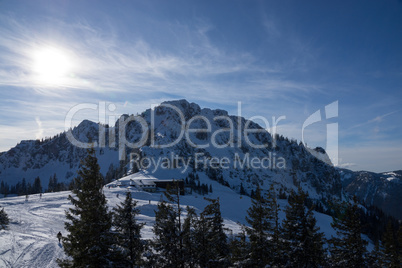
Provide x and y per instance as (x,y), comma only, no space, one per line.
(31,239)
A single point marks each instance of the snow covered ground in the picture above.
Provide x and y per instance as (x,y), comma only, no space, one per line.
(30,240)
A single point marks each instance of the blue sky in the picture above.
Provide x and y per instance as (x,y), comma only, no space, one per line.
(279,58)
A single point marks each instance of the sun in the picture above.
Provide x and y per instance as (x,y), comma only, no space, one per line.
(51,65)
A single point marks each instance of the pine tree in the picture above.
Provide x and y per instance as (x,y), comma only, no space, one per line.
(168,229)
(189,242)
(211,238)
(29,189)
(275,244)
(258,217)
(90,240)
(292,229)
(240,250)
(110,174)
(52,185)
(201,242)
(23,188)
(252,194)
(128,232)
(4,220)
(2,188)
(167,236)
(348,249)
(303,246)
(37,186)
(313,242)
(242,191)
(390,250)
(376,257)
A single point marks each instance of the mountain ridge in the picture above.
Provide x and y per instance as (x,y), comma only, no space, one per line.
(224,140)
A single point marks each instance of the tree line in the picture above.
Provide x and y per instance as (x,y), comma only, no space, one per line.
(21,188)
(102,238)
(26,188)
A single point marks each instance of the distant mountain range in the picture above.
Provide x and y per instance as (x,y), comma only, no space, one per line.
(383,190)
(180,135)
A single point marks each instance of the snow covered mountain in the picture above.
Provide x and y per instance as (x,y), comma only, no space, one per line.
(225,156)
(382,190)
(180,135)
(57,155)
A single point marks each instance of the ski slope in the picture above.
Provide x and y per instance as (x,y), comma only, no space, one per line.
(30,240)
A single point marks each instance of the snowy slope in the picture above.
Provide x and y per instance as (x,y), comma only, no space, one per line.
(31,239)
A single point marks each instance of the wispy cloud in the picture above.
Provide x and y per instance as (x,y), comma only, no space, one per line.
(379,118)
(376,119)
(39,134)
(103,62)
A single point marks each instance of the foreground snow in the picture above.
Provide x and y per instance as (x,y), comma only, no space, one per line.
(31,239)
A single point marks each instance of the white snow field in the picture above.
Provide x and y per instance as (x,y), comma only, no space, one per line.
(30,240)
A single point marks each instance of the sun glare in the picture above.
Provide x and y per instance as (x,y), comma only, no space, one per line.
(52,65)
